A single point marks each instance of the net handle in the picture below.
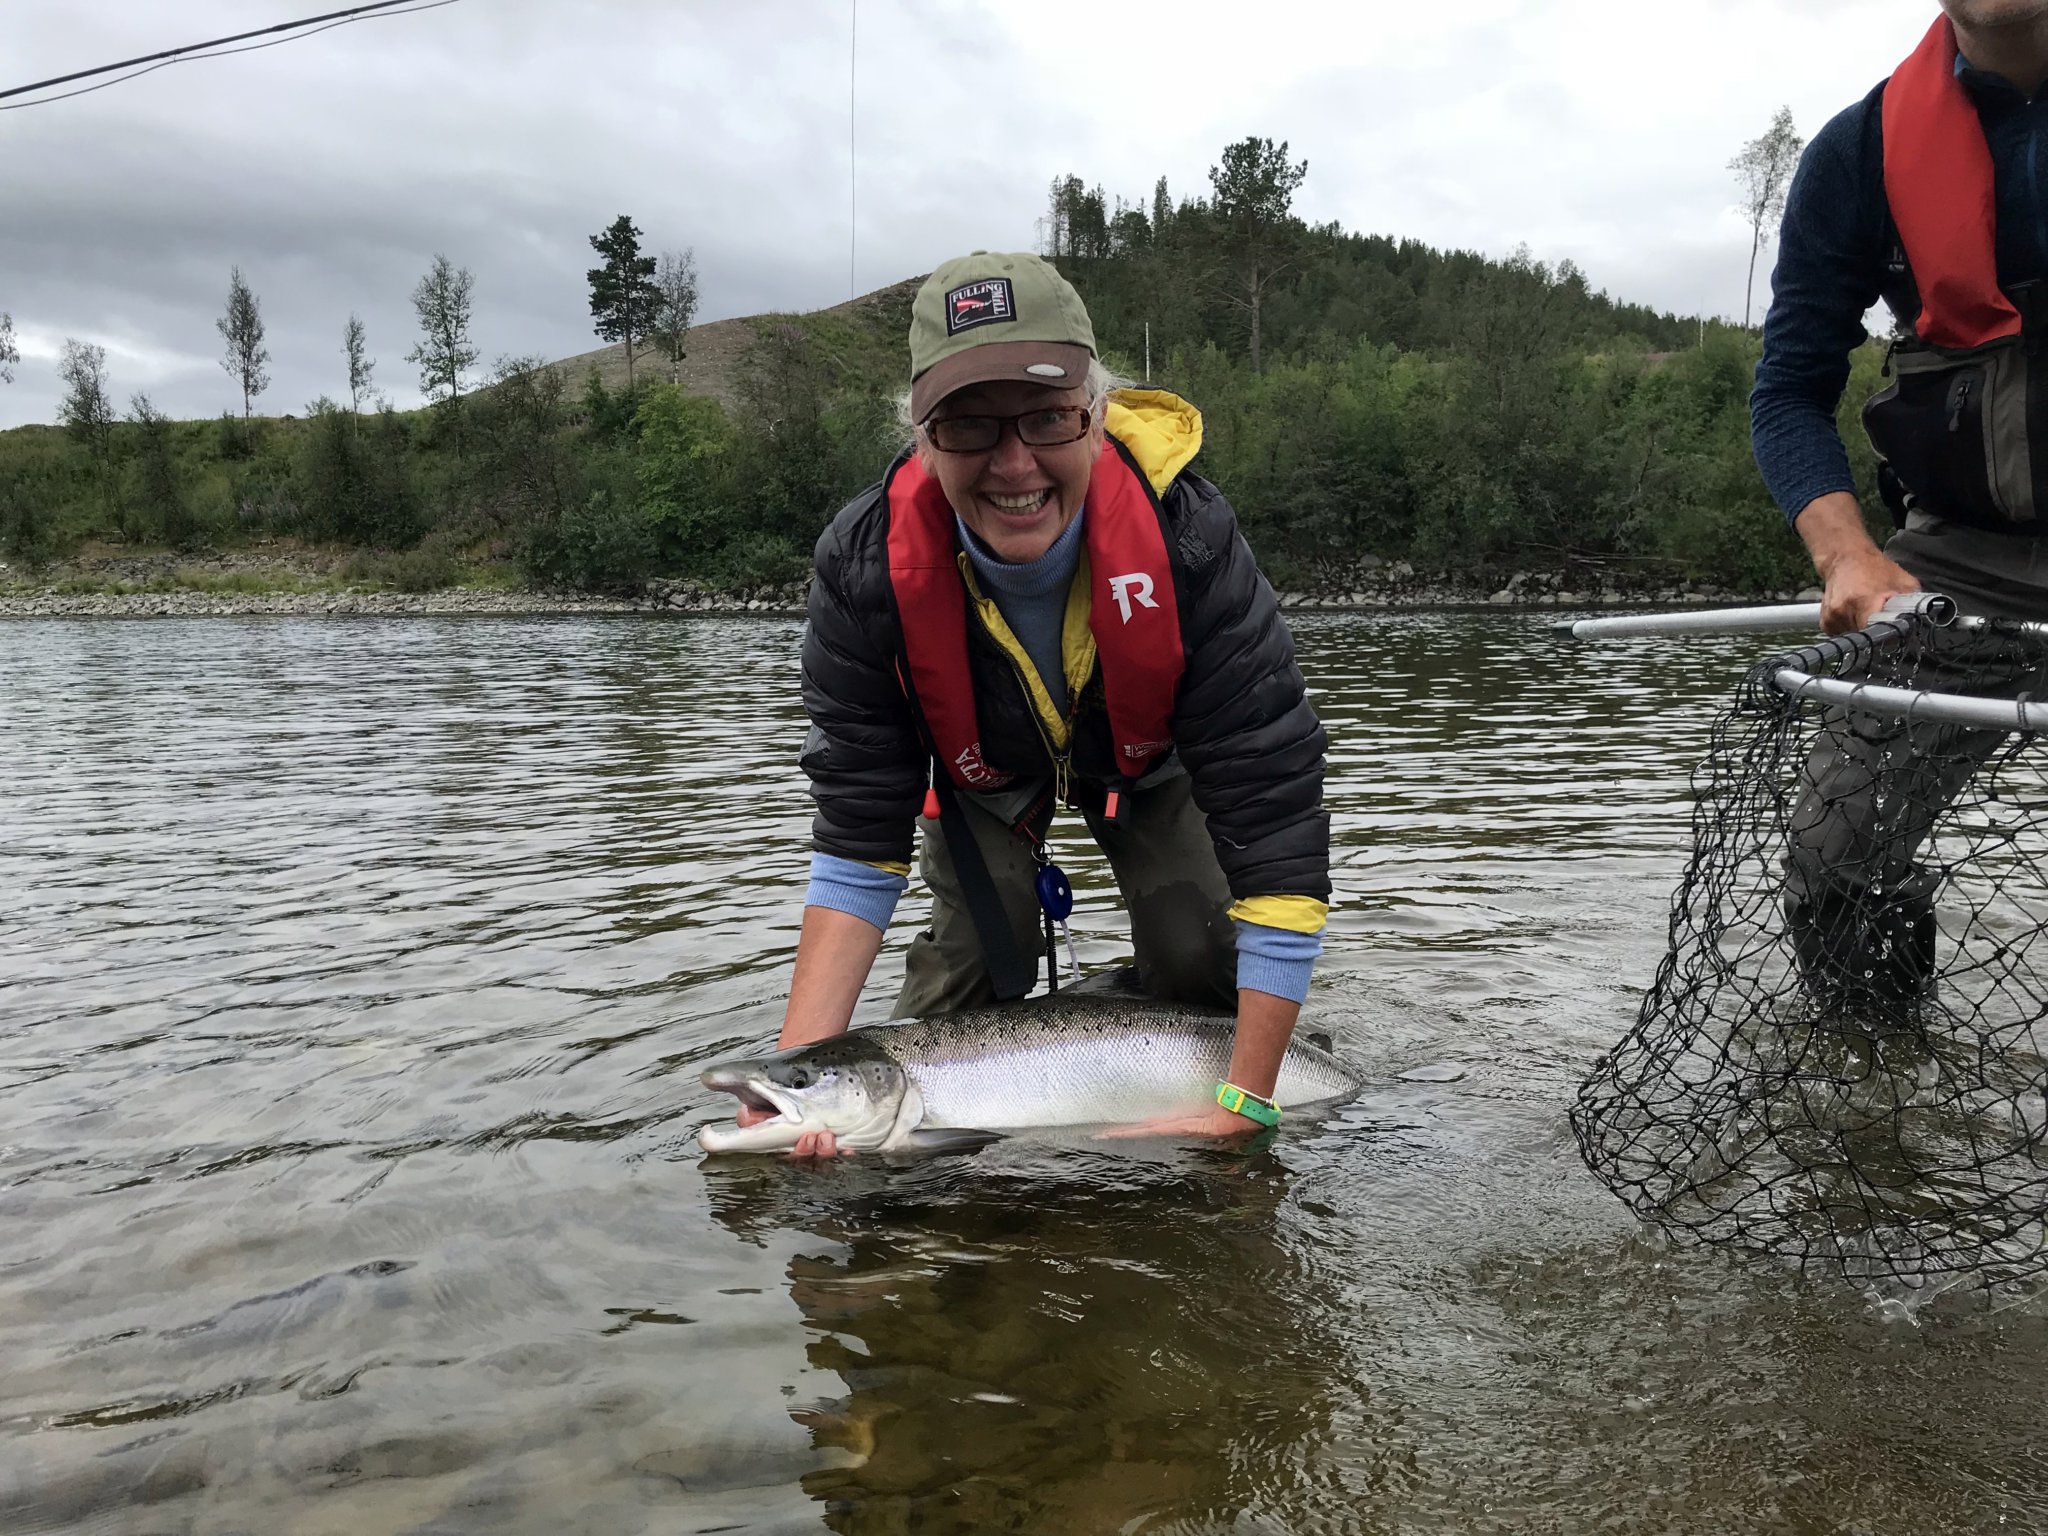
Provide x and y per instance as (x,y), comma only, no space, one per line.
(1768,619)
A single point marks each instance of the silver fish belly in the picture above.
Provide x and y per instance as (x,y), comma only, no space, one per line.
(1060,1061)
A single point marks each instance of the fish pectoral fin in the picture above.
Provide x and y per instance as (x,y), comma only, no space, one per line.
(1321,1040)
(931,1141)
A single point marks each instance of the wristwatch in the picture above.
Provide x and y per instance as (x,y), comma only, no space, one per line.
(1250,1105)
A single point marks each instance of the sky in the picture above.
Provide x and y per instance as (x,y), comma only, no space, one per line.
(809,149)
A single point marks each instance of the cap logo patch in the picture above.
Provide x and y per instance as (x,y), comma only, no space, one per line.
(984,303)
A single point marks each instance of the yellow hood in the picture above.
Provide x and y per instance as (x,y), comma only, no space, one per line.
(1161,430)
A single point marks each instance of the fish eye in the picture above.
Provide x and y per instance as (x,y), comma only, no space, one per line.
(800,1077)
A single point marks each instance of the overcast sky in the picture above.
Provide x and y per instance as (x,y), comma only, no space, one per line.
(505,132)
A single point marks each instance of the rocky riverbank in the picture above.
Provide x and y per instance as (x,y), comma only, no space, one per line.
(299,584)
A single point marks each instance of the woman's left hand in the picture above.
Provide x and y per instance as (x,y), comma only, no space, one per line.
(1215,1122)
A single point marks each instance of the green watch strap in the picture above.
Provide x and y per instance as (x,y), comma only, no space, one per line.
(1250,1105)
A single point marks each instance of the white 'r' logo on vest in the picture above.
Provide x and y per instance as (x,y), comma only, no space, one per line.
(1124,588)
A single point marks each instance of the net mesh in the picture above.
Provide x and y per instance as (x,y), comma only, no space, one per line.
(1840,1062)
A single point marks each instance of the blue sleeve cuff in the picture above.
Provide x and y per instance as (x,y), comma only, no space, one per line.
(860,890)
(1276,960)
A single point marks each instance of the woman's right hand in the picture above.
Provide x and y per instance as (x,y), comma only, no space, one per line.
(810,1145)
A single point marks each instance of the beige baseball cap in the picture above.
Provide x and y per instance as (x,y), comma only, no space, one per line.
(992,316)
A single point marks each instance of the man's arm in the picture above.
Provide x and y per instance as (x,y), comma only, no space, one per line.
(1856,575)
(1831,254)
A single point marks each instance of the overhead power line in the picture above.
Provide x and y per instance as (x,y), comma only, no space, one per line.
(852,159)
(216,49)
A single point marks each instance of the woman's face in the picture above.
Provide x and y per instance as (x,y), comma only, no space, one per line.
(1017,499)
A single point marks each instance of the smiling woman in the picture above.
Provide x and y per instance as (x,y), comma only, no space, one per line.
(1041,606)
(1014,461)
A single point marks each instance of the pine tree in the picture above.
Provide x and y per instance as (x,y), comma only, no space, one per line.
(623,296)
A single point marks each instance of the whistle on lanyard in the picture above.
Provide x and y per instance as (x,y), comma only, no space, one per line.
(1056,900)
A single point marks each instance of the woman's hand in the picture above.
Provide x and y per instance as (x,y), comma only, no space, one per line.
(1215,1122)
(810,1144)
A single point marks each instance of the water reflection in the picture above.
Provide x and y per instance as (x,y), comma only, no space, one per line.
(1075,1341)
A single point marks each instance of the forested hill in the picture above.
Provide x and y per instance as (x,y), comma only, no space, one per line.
(1340,289)
(1362,396)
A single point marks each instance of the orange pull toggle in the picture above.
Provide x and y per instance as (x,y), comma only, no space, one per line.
(931,804)
(1109,805)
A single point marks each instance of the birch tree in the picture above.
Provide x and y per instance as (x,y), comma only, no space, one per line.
(444,352)
(86,411)
(1763,174)
(10,350)
(242,328)
(360,364)
(675,306)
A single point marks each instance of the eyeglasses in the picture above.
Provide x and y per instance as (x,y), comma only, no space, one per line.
(1035,429)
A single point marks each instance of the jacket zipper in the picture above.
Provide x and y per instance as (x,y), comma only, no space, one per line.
(1962,398)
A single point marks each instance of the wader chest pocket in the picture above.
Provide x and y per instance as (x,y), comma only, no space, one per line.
(1938,425)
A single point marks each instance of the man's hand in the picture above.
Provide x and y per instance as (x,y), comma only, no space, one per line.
(1857,588)
(1856,575)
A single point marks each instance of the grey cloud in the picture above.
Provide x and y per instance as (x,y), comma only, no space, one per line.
(504,132)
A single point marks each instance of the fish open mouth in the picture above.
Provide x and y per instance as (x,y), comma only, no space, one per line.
(752,1090)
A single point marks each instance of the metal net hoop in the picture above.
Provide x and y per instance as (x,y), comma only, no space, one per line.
(1840,1062)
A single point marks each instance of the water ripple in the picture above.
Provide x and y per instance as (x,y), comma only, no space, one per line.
(354,982)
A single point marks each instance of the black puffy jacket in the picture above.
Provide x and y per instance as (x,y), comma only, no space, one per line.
(1242,725)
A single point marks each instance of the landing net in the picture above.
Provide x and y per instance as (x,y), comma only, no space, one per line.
(1841,1061)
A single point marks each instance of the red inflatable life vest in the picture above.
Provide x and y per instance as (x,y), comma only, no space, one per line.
(1938,182)
(1133,612)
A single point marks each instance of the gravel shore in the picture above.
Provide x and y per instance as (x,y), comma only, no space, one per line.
(1379,586)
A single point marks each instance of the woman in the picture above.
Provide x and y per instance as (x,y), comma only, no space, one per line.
(1041,606)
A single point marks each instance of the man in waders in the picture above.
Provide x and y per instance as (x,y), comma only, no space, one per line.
(1042,608)
(1930,194)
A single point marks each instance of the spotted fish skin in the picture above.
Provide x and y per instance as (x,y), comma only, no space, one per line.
(1081,1060)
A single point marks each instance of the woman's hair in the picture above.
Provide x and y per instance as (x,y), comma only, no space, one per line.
(1099,382)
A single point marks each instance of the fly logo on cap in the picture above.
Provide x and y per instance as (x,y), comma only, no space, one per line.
(983,303)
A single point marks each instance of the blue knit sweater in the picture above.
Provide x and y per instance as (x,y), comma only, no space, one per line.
(1832,249)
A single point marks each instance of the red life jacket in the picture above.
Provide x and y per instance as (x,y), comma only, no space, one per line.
(1938,181)
(1133,612)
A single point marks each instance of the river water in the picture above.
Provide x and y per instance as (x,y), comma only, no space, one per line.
(354,981)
